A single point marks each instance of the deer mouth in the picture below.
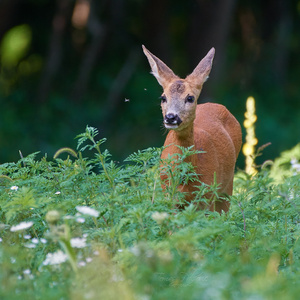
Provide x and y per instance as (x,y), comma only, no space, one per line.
(171,126)
(172,121)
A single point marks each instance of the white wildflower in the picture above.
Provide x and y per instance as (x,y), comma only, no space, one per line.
(27,236)
(44,241)
(30,245)
(81,264)
(80,220)
(27,272)
(14,188)
(85,210)
(1,240)
(57,193)
(295,165)
(35,241)
(55,258)
(88,259)
(21,226)
(78,242)
(159,217)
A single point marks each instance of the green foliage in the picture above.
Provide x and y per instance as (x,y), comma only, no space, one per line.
(180,173)
(287,164)
(15,45)
(88,228)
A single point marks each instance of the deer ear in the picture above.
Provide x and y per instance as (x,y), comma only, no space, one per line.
(160,70)
(201,72)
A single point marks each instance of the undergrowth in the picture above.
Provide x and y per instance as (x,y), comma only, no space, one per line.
(74,227)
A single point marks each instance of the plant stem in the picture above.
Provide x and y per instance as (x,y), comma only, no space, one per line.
(69,251)
(102,161)
(243,219)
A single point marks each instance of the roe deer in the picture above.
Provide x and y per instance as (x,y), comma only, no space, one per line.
(209,127)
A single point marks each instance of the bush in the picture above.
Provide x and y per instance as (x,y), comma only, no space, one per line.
(87,228)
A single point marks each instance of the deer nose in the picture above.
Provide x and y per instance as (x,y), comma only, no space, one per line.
(172,119)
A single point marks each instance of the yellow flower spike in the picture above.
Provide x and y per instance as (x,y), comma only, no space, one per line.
(254,141)
(247,149)
(247,123)
(251,140)
(250,105)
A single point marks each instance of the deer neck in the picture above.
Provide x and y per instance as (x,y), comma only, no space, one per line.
(183,138)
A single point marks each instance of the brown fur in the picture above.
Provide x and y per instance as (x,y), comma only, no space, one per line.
(209,127)
(177,87)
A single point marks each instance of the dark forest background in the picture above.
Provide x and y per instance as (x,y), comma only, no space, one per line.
(67,64)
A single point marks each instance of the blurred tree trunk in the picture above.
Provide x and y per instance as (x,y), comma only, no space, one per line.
(157,38)
(266,41)
(7,15)
(54,57)
(210,26)
(98,32)
(280,27)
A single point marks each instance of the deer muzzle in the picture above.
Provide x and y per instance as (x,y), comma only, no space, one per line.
(172,121)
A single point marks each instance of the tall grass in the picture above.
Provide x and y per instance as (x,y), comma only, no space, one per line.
(89,228)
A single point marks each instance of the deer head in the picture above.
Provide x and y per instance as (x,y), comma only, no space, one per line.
(179,98)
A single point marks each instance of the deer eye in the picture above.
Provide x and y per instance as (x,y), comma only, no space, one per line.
(163,99)
(190,99)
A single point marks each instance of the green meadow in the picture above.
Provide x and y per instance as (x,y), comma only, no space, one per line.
(81,226)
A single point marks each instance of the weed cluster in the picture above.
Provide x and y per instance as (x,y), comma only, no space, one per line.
(87,228)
